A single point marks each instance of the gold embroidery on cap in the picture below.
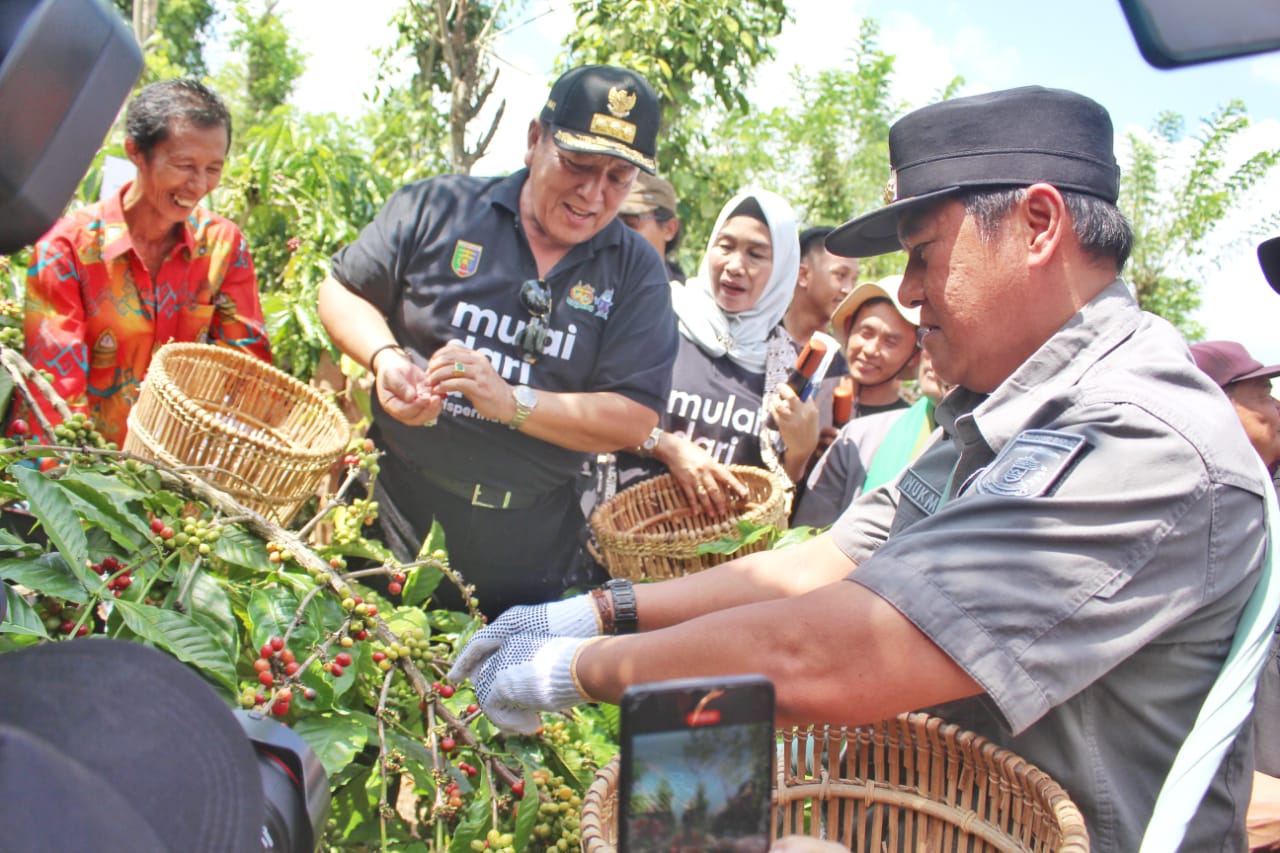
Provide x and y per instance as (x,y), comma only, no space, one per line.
(621,102)
(551,104)
(891,188)
(609,126)
(583,142)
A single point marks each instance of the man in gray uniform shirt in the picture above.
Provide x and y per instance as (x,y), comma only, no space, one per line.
(1063,571)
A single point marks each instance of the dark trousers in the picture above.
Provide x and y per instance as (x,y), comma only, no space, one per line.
(511,556)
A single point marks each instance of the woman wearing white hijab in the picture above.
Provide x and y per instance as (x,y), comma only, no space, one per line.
(733,357)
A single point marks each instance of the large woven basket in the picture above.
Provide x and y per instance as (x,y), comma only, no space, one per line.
(649,531)
(248,428)
(907,785)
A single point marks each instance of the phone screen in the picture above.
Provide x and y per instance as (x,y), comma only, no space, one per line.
(697,767)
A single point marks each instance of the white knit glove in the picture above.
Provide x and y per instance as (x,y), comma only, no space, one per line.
(572,617)
(530,673)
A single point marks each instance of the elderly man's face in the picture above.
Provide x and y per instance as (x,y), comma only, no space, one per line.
(976,305)
(569,196)
(1259,412)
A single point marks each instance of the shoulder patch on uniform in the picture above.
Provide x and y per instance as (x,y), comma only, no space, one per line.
(1030,465)
(914,488)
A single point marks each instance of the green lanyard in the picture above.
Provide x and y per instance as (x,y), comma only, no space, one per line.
(1226,707)
(902,443)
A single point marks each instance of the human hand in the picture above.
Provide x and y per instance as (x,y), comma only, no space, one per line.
(572,617)
(826,438)
(705,482)
(530,673)
(797,422)
(404,392)
(455,367)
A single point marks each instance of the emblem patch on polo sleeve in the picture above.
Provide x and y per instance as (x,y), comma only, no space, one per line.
(466,258)
(1030,465)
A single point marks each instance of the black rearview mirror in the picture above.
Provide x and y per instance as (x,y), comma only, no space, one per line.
(1171,33)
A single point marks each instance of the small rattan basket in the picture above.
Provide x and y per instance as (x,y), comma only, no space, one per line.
(649,531)
(251,429)
(906,785)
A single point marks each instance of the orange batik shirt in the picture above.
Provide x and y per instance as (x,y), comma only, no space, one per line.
(94,316)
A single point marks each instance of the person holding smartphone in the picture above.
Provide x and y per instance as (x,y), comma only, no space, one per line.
(1063,571)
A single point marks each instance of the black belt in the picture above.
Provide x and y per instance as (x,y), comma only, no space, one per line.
(481,495)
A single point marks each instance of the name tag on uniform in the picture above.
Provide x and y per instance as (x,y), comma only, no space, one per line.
(1030,465)
(914,488)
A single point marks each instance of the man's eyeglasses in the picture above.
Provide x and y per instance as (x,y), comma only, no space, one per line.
(535,297)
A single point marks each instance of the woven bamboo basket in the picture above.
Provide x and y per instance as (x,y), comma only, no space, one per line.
(649,531)
(913,784)
(250,429)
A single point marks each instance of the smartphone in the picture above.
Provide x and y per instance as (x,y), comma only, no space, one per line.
(697,762)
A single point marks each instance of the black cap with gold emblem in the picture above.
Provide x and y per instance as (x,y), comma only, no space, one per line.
(1013,138)
(603,109)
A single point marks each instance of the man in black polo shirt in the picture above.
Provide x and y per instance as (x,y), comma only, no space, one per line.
(524,325)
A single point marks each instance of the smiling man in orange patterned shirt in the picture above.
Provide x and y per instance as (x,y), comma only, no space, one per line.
(113,281)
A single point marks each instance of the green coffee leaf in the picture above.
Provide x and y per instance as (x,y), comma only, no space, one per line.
(335,739)
(181,636)
(50,505)
(46,574)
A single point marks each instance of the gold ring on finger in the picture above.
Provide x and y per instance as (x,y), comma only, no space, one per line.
(459,368)
(702,489)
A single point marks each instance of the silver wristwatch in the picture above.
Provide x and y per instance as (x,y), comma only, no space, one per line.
(526,399)
(651,443)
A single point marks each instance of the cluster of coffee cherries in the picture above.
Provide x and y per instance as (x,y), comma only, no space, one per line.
(197,534)
(11,315)
(20,432)
(275,666)
(453,795)
(62,617)
(78,431)
(278,554)
(349,520)
(499,842)
(361,453)
(559,814)
(120,577)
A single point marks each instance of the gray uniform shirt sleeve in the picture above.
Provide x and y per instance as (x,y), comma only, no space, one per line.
(836,481)
(833,484)
(1012,588)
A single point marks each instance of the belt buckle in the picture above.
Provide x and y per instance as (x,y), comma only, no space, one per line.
(477,498)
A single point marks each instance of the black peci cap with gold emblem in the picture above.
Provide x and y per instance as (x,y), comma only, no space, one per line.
(603,109)
(1012,138)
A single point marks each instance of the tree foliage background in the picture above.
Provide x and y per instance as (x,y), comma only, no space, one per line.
(302,185)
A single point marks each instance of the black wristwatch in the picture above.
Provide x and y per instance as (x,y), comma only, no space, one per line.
(625,619)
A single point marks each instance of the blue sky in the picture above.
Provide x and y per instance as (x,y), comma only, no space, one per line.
(1083,45)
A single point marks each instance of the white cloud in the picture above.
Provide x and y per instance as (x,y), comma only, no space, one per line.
(1238,303)
(339,41)
(1267,69)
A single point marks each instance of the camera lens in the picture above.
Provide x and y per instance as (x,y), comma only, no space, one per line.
(294,785)
(287,827)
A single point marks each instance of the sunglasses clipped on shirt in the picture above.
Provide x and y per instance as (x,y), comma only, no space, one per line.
(535,297)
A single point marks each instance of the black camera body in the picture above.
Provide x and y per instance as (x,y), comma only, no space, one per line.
(295,788)
(66,66)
